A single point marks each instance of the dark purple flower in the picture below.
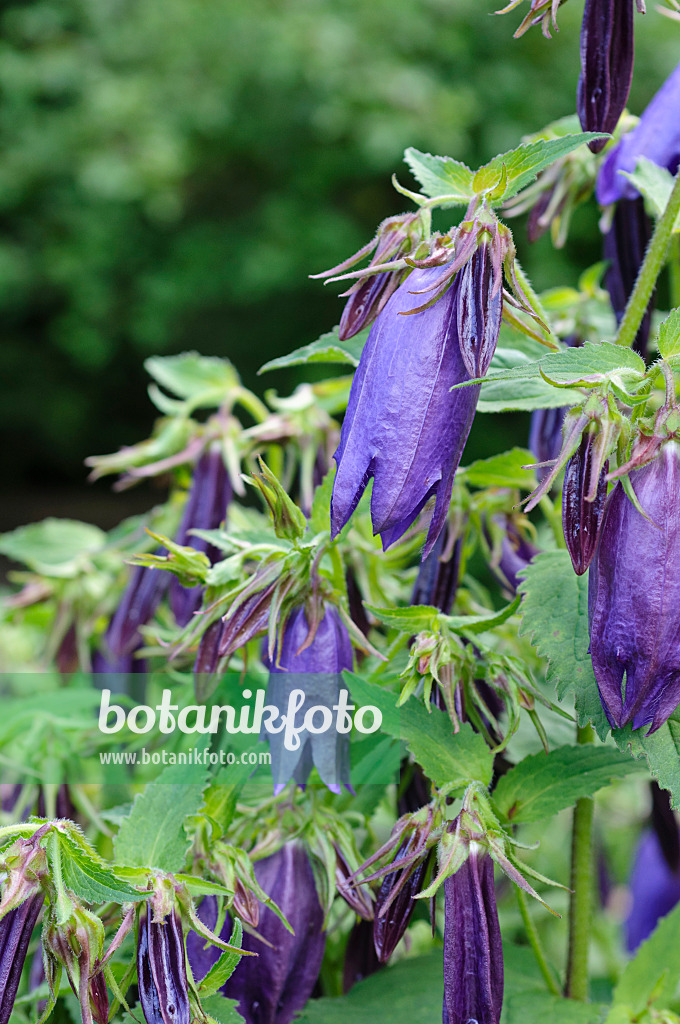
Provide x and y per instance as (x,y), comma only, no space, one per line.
(205,509)
(138,603)
(634,597)
(437,579)
(99,996)
(656,137)
(582,518)
(316,669)
(480,309)
(404,426)
(607,53)
(361,959)
(655,890)
(161,970)
(625,245)
(395,902)
(272,987)
(473,951)
(16,928)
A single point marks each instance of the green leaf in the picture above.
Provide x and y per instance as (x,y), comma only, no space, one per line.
(589,365)
(326,349)
(528,160)
(537,1007)
(440,175)
(320,514)
(222,1010)
(444,756)
(412,989)
(662,751)
(652,975)
(554,614)
(655,184)
(669,335)
(89,876)
(543,784)
(413,619)
(220,972)
(499,395)
(482,623)
(53,547)
(153,833)
(506,470)
(203,380)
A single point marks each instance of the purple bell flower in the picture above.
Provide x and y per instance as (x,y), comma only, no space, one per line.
(634,597)
(655,890)
(607,53)
(205,509)
(316,669)
(274,986)
(404,426)
(656,137)
(473,951)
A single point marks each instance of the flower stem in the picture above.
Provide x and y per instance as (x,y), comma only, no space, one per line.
(535,943)
(650,269)
(580,906)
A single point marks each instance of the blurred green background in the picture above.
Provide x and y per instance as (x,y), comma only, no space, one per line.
(173,170)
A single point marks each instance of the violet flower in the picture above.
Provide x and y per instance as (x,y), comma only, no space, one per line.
(473,951)
(656,137)
(581,517)
(16,928)
(205,509)
(316,669)
(404,426)
(654,887)
(137,605)
(634,597)
(607,53)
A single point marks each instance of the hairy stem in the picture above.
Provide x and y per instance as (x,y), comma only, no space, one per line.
(650,269)
(581,903)
(535,943)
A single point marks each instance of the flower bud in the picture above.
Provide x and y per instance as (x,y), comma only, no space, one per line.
(395,902)
(473,951)
(479,310)
(634,597)
(16,928)
(99,996)
(161,970)
(607,52)
(581,517)
(437,579)
(138,603)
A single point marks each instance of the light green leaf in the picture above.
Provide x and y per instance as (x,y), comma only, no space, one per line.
(506,470)
(203,380)
(153,833)
(444,756)
(326,349)
(320,514)
(89,876)
(440,175)
(220,972)
(222,1010)
(654,183)
(662,751)
(554,614)
(527,161)
(589,365)
(413,619)
(53,547)
(514,351)
(669,335)
(543,784)
(652,975)
(482,623)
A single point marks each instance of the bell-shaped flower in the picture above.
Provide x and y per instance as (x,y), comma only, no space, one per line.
(404,425)
(634,597)
(607,54)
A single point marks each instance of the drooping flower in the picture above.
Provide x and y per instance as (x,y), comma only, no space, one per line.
(205,509)
(624,248)
(395,902)
(583,503)
(607,54)
(314,666)
(16,928)
(634,597)
(654,888)
(473,951)
(272,987)
(404,426)
(161,969)
(656,137)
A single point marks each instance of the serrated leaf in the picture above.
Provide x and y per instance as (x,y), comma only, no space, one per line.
(89,877)
(222,1010)
(590,364)
(554,614)
(440,175)
(153,833)
(657,958)
(506,470)
(502,396)
(221,971)
(543,784)
(443,755)
(669,335)
(527,161)
(53,547)
(204,380)
(326,349)
(413,619)
(661,750)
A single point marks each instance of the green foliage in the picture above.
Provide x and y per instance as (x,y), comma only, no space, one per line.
(53,547)
(652,975)
(662,751)
(326,349)
(669,335)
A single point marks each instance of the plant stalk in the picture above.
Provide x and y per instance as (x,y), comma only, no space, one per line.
(650,269)
(581,903)
(535,943)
